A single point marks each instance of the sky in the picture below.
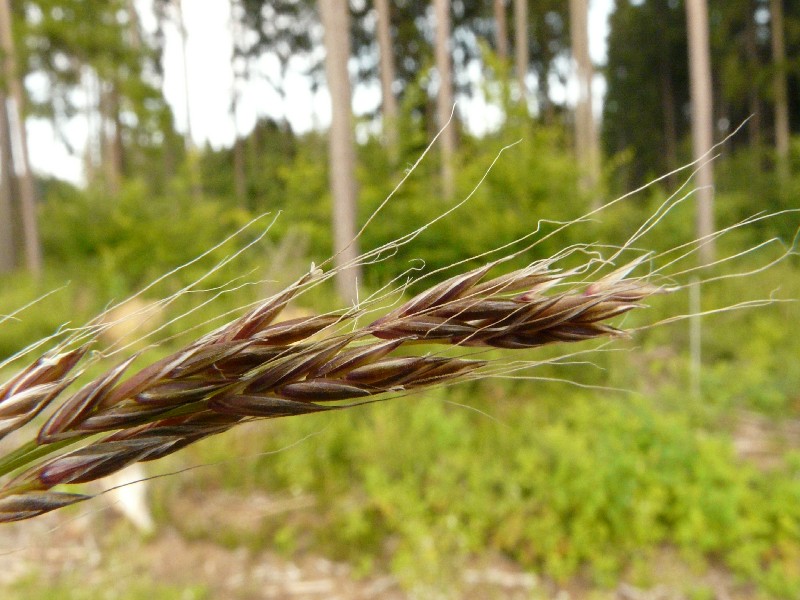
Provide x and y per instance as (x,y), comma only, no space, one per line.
(211,87)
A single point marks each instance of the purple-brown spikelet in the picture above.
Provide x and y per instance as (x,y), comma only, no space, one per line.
(26,394)
(257,368)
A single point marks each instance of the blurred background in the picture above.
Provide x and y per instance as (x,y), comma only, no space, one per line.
(136,135)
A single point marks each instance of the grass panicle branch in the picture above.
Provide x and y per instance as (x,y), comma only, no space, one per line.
(257,368)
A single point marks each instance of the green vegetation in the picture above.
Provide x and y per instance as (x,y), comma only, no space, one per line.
(76,588)
(568,482)
(587,470)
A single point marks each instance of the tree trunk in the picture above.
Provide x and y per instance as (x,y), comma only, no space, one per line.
(27,189)
(779,86)
(117,145)
(753,67)
(239,172)
(444,99)
(111,142)
(134,27)
(389,100)
(91,113)
(521,54)
(8,249)
(131,159)
(191,156)
(586,139)
(335,16)
(240,75)
(185,65)
(702,125)
(501,30)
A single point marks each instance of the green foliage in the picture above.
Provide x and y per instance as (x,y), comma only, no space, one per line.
(744,187)
(647,105)
(582,484)
(289,174)
(44,317)
(568,484)
(132,239)
(76,587)
(572,484)
(646,38)
(750,366)
(514,200)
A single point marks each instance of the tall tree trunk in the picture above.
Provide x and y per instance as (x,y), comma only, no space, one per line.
(111,142)
(389,106)
(239,172)
(130,157)
(521,54)
(239,161)
(93,119)
(755,124)
(185,65)
(117,140)
(444,99)
(501,30)
(134,27)
(335,16)
(170,148)
(546,108)
(27,189)
(779,86)
(586,139)
(702,125)
(191,155)
(753,67)
(8,249)
(668,104)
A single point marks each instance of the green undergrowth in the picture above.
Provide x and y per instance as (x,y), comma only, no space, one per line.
(574,483)
(74,587)
(567,484)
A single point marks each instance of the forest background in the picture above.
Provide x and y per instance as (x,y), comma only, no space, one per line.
(686,483)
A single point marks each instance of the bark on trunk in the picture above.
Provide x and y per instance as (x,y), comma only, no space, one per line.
(521,54)
(191,156)
(586,138)
(779,87)
(335,16)
(134,26)
(111,141)
(444,99)
(239,172)
(240,75)
(8,249)
(702,126)
(501,30)
(753,104)
(27,189)
(389,106)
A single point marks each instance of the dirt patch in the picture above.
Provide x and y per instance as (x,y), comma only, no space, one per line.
(764,442)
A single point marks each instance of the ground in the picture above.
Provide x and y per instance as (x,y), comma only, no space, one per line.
(100,550)
(200,550)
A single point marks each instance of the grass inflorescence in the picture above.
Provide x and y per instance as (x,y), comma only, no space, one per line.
(255,368)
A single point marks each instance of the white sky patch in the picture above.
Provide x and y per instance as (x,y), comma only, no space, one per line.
(211,89)
(209,56)
(48,155)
